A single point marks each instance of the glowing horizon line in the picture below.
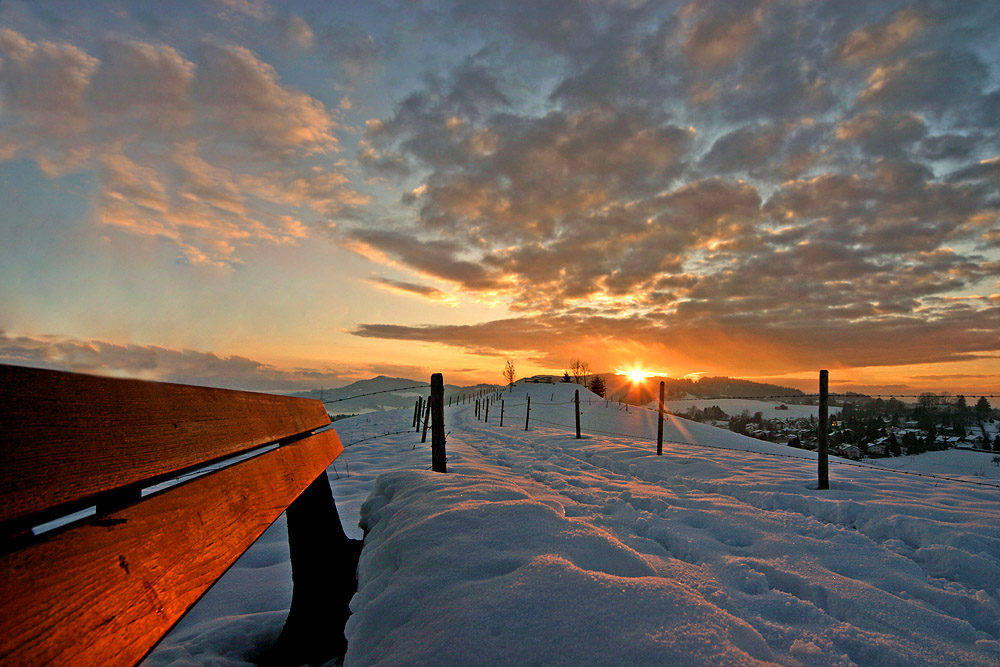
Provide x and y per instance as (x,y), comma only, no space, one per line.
(638,375)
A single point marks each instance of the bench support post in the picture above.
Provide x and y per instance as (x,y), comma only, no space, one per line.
(324,578)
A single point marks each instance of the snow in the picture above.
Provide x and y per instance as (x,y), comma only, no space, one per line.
(734,407)
(538,548)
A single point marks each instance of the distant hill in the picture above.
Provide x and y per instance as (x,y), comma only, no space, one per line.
(381,393)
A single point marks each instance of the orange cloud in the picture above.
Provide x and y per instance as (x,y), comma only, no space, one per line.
(879,41)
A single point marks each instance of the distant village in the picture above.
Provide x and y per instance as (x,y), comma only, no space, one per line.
(868,427)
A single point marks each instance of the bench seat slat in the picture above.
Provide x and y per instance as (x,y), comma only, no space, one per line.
(66,437)
(105,592)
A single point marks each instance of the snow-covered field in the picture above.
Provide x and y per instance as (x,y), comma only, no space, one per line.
(734,407)
(538,548)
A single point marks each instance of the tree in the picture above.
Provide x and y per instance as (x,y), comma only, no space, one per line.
(982,408)
(581,371)
(927,400)
(894,448)
(509,373)
(597,385)
(566,377)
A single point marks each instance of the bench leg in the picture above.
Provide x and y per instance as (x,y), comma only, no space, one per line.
(324,578)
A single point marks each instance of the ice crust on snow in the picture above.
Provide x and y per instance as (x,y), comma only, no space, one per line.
(538,548)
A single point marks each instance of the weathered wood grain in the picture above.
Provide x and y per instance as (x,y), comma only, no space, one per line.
(106,592)
(65,437)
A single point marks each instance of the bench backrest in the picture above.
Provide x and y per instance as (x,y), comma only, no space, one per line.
(106,590)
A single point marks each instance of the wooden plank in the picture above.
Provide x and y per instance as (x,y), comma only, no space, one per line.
(66,437)
(106,592)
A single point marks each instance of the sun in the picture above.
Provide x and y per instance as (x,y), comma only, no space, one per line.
(636,375)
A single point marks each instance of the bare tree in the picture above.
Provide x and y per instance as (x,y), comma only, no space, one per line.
(580,370)
(509,373)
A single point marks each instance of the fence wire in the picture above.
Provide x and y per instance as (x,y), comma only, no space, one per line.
(634,437)
(372,393)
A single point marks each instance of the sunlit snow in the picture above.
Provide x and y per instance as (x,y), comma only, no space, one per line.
(538,548)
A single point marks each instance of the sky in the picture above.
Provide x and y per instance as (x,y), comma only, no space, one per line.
(288,195)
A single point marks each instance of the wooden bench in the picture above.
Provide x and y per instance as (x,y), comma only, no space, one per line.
(104,590)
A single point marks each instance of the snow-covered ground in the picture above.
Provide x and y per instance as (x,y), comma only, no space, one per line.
(538,548)
(734,407)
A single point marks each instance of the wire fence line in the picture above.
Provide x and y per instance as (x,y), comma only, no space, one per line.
(376,437)
(372,393)
(632,436)
(768,397)
(831,395)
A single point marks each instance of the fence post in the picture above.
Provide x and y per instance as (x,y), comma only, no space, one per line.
(527,414)
(439,460)
(427,419)
(501,413)
(659,424)
(824,416)
(576,403)
(416,413)
(487,419)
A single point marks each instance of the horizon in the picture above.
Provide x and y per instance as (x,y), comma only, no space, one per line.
(280,196)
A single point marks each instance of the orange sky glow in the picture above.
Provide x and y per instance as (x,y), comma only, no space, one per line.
(284,196)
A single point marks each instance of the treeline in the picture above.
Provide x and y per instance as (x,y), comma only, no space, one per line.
(717,387)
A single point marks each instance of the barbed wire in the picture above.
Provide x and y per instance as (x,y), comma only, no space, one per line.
(372,393)
(816,396)
(376,437)
(768,397)
(787,456)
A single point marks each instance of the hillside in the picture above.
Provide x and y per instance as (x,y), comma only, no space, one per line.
(537,548)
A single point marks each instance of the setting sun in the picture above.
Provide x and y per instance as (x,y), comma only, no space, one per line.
(636,375)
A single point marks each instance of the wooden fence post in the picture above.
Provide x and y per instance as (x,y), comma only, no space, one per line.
(501,413)
(824,416)
(527,414)
(659,423)
(487,419)
(427,419)
(576,403)
(439,460)
(416,412)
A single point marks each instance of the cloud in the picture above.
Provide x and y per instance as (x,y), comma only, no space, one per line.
(939,82)
(143,83)
(188,151)
(43,87)
(717,40)
(758,183)
(257,9)
(414,289)
(734,347)
(293,30)
(881,134)
(871,42)
(162,364)
(242,93)
(351,47)
(745,149)
(607,209)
